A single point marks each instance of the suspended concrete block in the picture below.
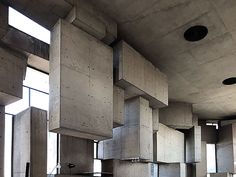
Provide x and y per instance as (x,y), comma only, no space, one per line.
(168,145)
(30,143)
(177,115)
(81,84)
(139,77)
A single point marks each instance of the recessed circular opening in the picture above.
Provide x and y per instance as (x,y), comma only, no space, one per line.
(229,81)
(195,33)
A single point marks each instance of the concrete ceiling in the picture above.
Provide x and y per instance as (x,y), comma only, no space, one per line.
(155,28)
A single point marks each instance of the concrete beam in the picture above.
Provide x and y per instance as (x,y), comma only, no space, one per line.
(78,152)
(81,84)
(12,72)
(172,170)
(118,106)
(2,139)
(193,145)
(139,77)
(30,142)
(177,115)
(168,145)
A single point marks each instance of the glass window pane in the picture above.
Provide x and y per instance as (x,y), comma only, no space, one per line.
(211,158)
(52,153)
(20,105)
(39,100)
(37,80)
(8,146)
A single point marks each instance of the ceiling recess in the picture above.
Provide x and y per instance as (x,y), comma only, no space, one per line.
(230,81)
(195,33)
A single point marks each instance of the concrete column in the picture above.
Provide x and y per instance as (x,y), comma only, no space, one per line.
(200,169)
(30,143)
(172,170)
(118,106)
(155,120)
(2,139)
(78,152)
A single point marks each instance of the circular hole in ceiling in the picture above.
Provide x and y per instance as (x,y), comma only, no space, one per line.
(195,33)
(229,81)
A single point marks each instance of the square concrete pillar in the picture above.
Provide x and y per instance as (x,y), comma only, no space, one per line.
(139,77)
(172,170)
(193,145)
(168,145)
(195,120)
(2,139)
(226,149)
(118,106)
(78,152)
(12,73)
(3,20)
(155,120)
(30,143)
(177,115)
(200,169)
(81,84)
(85,16)
(221,175)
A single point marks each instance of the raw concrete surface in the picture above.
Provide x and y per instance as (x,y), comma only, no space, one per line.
(2,139)
(118,106)
(221,175)
(172,170)
(200,169)
(155,119)
(4,19)
(81,78)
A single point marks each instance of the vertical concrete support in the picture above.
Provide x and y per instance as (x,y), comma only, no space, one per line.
(30,143)
(177,115)
(78,152)
(172,170)
(195,120)
(168,145)
(85,16)
(12,72)
(3,20)
(81,84)
(2,139)
(155,120)
(193,145)
(118,106)
(226,149)
(139,77)
(200,169)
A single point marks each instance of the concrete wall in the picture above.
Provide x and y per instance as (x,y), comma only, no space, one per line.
(12,73)
(168,145)
(193,145)
(3,19)
(30,143)
(172,170)
(118,106)
(177,115)
(78,152)
(138,76)
(2,139)
(81,84)
(200,169)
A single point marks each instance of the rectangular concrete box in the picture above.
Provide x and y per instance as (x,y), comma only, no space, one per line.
(200,169)
(77,151)
(118,106)
(12,73)
(2,139)
(138,76)
(81,84)
(226,149)
(193,145)
(221,175)
(85,16)
(172,170)
(177,115)
(30,143)
(168,145)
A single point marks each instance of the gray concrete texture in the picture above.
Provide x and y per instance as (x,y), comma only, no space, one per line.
(81,78)
(30,143)
(118,106)
(226,151)
(177,115)
(195,120)
(168,145)
(138,76)
(221,175)
(2,139)
(193,145)
(85,16)
(155,119)
(79,152)
(200,169)
(172,170)
(12,73)
(4,19)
